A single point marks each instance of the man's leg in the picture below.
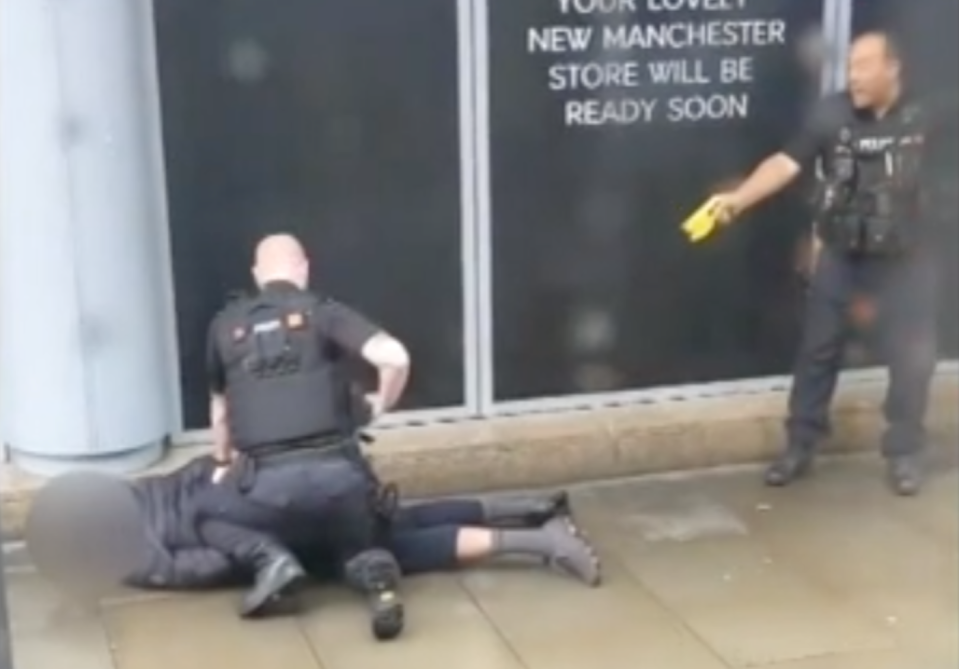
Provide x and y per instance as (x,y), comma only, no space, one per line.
(245,525)
(493,511)
(443,548)
(368,568)
(277,571)
(348,517)
(817,367)
(908,337)
(333,494)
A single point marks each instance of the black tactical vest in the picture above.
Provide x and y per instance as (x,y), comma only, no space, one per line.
(282,381)
(870,191)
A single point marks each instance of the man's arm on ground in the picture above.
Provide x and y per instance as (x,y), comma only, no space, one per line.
(186,569)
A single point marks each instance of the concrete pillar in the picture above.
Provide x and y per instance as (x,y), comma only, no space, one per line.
(86,325)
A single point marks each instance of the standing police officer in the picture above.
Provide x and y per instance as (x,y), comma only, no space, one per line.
(285,459)
(869,142)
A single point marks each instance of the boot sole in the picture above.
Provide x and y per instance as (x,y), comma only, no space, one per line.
(292,585)
(389,616)
(900,489)
(566,567)
(801,472)
(905,492)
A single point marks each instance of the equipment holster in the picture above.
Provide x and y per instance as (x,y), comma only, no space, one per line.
(874,216)
(384,500)
(383,497)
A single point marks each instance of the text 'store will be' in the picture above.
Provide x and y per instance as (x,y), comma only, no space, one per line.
(622,62)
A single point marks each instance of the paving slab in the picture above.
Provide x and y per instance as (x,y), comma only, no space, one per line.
(895,659)
(553,624)
(200,631)
(444,629)
(706,565)
(49,631)
(703,571)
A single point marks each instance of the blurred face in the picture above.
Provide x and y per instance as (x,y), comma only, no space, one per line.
(85,533)
(873,72)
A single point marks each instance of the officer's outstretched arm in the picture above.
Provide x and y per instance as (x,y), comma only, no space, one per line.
(392,362)
(770,176)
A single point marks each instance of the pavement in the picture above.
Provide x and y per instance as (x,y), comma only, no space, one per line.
(707,570)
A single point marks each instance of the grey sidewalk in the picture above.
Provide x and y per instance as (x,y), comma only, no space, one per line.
(706,571)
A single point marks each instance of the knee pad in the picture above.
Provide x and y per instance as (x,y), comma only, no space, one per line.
(372,570)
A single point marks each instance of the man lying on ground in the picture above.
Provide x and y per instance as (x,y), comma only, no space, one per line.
(162,550)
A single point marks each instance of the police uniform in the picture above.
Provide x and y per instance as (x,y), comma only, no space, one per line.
(277,359)
(423,536)
(876,247)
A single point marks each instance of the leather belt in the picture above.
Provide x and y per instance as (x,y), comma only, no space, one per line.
(331,444)
(320,448)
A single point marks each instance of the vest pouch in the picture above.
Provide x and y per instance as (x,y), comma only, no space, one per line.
(272,410)
(885,236)
(889,229)
(842,231)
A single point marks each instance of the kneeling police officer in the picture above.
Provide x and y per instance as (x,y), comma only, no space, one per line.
(285,461)
(873,221)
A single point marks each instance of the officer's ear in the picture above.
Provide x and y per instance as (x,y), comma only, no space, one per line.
(893,55)
(303,272)
(895,67)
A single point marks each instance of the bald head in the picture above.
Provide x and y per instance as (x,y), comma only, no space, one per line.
(281,258)
(874,71)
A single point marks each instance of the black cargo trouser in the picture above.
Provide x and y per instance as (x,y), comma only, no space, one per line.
(280,500)
(903,290)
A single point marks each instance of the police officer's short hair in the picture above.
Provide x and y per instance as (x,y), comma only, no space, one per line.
(893,50)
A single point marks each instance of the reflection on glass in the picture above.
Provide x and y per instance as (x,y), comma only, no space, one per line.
(337,122)
(594,288)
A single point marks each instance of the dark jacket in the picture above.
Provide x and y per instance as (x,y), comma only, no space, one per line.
(178,559)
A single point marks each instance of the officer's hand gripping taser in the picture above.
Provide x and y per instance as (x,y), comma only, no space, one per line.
(703,221)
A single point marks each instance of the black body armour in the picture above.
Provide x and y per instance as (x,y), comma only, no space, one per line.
(869,195)
(282,380)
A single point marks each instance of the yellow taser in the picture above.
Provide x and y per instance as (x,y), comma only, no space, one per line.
(703,221)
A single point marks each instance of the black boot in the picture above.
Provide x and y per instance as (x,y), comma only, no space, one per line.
(511,511)
(376,574)
(278,575)
(905,475)
(794,463)
(559,542)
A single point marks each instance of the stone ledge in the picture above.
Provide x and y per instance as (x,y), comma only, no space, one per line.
(555,449)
